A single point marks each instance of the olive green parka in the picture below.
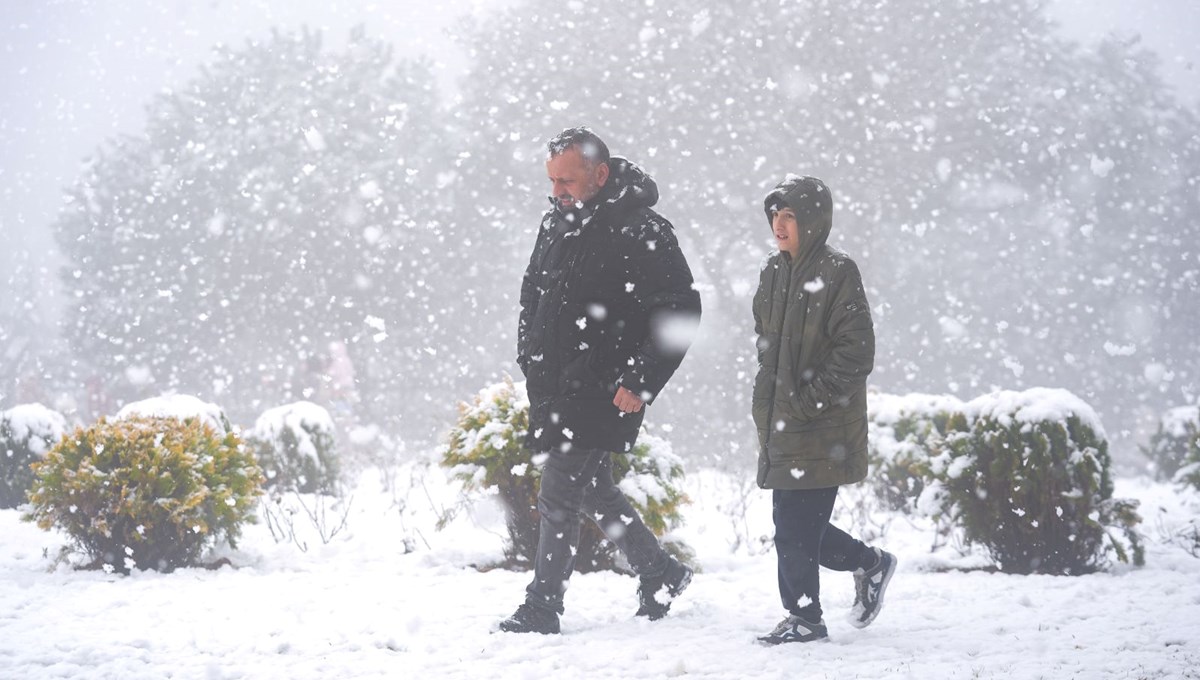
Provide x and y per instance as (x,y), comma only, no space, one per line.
(816,346)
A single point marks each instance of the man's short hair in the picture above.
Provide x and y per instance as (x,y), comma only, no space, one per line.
(592,148)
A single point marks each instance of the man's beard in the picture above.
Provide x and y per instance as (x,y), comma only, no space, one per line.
(571,209)
(567,202)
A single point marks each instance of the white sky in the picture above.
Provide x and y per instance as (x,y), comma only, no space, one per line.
(77,72)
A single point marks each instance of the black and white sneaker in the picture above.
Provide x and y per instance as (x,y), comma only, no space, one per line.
(652,602)
(869,587)
(796,629)
(531,619)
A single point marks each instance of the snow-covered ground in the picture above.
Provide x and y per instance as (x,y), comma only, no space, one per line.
(362,606)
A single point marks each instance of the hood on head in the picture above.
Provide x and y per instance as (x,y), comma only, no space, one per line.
(812,202)
(628,186)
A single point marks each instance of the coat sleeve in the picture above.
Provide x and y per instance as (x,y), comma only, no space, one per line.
(759,303)
(530,295)
(852,349)
(758,326)
(663,286)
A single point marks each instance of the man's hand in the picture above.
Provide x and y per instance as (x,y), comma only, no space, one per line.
(627,401)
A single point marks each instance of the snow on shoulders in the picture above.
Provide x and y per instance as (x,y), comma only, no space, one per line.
(35,424)
(1037,404)
(771,259)
(839,256)
(180,406)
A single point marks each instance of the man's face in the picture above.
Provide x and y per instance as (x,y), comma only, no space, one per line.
(572,179)
(787,232)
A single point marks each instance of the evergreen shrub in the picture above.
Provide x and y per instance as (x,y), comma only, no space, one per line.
(904,434)
(486,451)
(1174,449)
(295,447)
(1027,475)
(1189,474)
(26,433)
(146,492)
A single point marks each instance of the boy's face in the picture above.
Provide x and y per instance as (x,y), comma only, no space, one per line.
(787,232)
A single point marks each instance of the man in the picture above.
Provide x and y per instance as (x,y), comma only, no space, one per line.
(607,312)
(816,346)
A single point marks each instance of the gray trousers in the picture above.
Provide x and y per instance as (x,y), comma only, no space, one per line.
(578,481)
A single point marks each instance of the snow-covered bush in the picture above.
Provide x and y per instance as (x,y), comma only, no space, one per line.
(486,451)
(180,407)
(294,445)
(1174,450)
(905,431)
(26,433)
(146,492)
(1190,474)
(1027,475)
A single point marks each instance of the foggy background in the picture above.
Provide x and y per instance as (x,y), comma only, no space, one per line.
(338,203)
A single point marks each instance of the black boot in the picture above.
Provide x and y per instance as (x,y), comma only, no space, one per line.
(531,619)
(655,604)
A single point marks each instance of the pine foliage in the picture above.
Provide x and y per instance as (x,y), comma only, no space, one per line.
(26,433)
(904,431)
(1035,491)
(296,449)
(146,493)
(1174,449)
(486,451)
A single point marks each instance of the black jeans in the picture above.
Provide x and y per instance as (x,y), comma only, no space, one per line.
(804,539)
(573,482)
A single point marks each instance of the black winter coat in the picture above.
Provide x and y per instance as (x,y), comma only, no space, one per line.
(607,301)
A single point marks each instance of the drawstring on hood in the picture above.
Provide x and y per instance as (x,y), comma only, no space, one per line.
(811,201)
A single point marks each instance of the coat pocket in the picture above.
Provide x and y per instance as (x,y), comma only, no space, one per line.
(788,413)
(578,379)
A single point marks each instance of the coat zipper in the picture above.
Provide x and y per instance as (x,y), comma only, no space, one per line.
(787,291)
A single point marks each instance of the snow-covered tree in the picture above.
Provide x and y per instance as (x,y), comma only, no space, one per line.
(280,206)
